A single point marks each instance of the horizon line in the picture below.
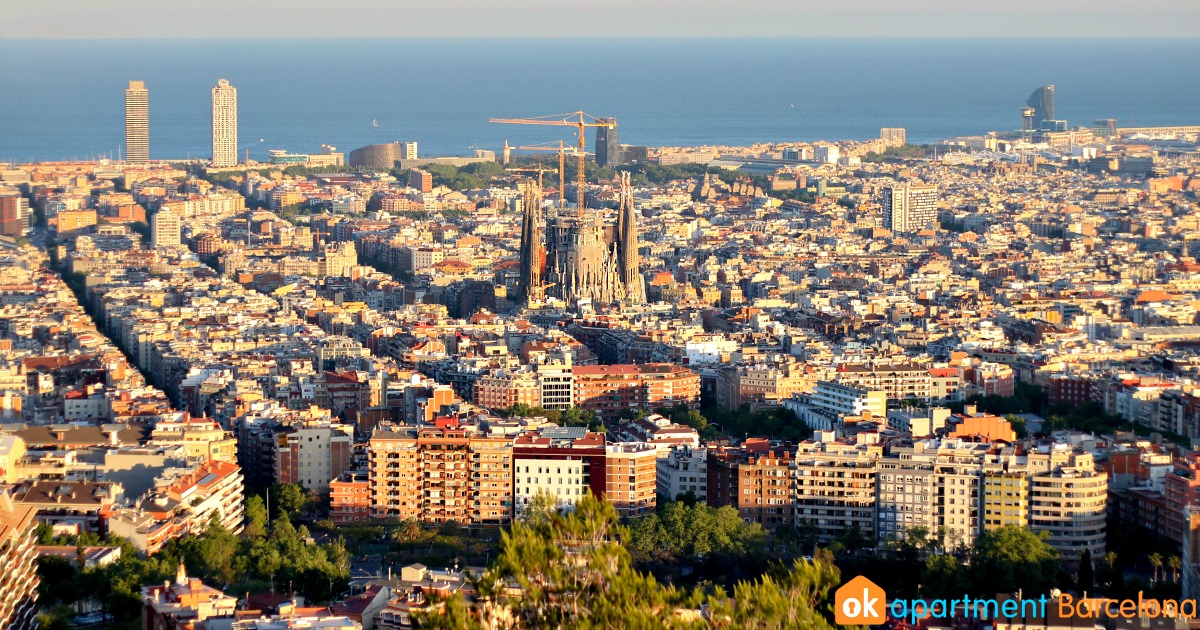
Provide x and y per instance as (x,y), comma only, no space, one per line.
(4,38)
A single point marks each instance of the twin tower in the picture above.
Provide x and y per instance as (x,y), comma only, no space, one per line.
(579,257)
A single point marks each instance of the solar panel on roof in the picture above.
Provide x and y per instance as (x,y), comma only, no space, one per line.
(564,433)
(208,478)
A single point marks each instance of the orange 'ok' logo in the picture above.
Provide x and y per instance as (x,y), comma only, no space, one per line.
(860,602)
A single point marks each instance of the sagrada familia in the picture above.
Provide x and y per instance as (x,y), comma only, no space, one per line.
(577,257)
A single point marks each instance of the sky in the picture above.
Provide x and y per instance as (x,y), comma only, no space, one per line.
(89,19)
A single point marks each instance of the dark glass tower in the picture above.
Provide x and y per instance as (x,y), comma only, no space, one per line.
(1042,102)
(606,144)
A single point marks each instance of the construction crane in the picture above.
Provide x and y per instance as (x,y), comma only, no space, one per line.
(539,170)
(580,120)
(561,149)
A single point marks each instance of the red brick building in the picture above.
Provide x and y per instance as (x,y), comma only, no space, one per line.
(350,498)
(610,389)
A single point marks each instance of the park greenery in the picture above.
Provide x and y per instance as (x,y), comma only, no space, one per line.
(899,154)
(265,556)
(574,570)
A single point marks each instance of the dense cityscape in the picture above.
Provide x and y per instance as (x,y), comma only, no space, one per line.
(596,384)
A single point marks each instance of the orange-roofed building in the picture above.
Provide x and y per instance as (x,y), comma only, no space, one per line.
(184,603)
(989,428)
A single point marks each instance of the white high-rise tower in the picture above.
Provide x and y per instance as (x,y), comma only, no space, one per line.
(137,123)
(224,124)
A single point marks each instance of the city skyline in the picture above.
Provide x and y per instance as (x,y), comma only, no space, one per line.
(868,303)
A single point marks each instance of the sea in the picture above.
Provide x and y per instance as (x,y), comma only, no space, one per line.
(64,99)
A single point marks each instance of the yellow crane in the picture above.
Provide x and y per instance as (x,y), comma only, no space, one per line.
(561,149)
(539,170)
(580,120)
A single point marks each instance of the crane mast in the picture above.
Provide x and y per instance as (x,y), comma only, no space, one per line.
(581,121)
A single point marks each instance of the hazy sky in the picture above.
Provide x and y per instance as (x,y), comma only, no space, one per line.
(523,18)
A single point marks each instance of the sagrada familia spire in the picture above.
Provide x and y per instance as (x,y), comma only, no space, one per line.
(533,251)
(627,245)
(575,261)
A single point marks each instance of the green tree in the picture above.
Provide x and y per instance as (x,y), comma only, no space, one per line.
(679,535)
(289,497)
(573,573)
(1176,564)
(1156,561)
(256,517)
(800,598)
(1087,580)
(942,576)
(1010,558)
(407,532)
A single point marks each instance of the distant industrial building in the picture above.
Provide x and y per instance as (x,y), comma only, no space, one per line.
(137,123)
(329,156)
(1104,127)
(383,155)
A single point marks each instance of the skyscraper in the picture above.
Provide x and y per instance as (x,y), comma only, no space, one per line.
(909,208)
(224,124)
(137,123)
(1042,102)
(607,149)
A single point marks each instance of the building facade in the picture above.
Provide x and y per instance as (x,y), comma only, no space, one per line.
(18,588)
(165,229)
(137,123)
(909,208)
(224,125)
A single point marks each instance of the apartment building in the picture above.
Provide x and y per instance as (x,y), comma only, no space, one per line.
(200,437)
(761,384)
(70,507)
(350,498)
(565,462)
(754,477)
(313,453)
(502,389)
(934,485)
(683,470)
(835,485)
(18,588)
(630,478)
(899,381)
(610,389)
(1068,500)
(441,472)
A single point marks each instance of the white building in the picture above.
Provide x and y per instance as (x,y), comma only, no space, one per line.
(828,153)
(165,229)
(562,479)
(224,125)
(909,208)
(684,469)
(844,400)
